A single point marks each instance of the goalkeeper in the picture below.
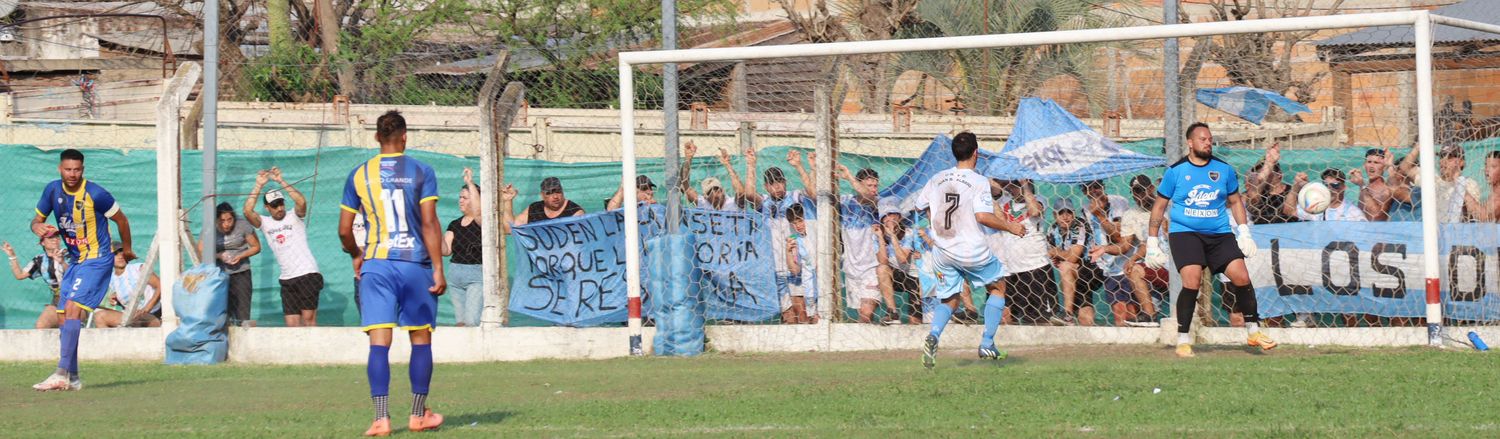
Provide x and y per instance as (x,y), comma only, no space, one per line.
(1202,192)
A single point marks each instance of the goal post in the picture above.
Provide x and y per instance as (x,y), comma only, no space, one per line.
(1421,22)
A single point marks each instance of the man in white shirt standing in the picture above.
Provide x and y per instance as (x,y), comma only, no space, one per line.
(958,202)
(301,283)
(1030,287)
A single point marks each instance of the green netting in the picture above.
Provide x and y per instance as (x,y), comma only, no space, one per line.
(321,172)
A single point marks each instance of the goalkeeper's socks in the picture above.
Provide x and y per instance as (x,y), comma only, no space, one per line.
(1183,338)
(382,406)
(1251,328)
(941,314)
(67,359)
(1187,304)
(418,404)
(994,311)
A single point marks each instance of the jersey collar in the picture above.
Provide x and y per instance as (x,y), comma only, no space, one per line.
(81,186)
(394,154)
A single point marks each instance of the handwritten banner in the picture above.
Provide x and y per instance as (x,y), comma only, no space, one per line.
(573,270)
(1374,268)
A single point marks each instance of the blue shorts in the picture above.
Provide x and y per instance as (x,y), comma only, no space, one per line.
(950,279)
(784,281)
(394,293)
(86,283)
(1117,289)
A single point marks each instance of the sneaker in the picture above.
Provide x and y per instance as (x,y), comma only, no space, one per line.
(1185,350)
(381,427)
(54,382)
(929,352)
(1059,319)
(1261,339)
(1142,321)
(1300,322)
(428,421)
(75,384)
(991,353)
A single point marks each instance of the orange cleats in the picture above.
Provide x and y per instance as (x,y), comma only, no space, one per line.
(381,427)
(1261,339)
(428,421)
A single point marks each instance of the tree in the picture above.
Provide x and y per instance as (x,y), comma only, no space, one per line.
(575,36)
(992,81)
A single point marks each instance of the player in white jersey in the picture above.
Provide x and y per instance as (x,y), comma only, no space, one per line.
(959,204)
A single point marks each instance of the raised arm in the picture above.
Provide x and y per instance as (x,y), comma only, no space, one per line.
(251,216)
(507,202)
(298,201)
(734,177)
(751,171)
(688,151)
(1289,208)
(795,159)
(15,265)
(1033,207)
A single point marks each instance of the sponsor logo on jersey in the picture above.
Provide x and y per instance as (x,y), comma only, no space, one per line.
(1200,196)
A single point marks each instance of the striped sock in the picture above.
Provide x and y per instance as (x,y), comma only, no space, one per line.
(418,404)
(382,406)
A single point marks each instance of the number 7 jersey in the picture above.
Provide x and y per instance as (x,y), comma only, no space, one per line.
(389,191)
(953,197)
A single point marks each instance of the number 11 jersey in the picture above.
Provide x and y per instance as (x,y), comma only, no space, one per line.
(389,191)
(953,196)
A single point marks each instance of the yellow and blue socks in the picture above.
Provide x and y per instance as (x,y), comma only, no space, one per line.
(378,369)
(420,373)
(994,311)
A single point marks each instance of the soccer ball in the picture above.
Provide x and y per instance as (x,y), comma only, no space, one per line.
(1314,198)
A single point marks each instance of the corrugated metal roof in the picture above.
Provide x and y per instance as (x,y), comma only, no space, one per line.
(1484,11)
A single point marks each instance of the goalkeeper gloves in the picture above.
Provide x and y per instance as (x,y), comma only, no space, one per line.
(1246,243)
(1155,258)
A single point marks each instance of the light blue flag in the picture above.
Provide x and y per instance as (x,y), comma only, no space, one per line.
(1248,103)
(1049,144)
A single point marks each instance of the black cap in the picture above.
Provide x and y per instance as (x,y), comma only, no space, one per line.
(644,183)
(866,173)
(550,185)
(774,175)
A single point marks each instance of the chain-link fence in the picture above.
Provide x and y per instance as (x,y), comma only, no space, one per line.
(1051,121)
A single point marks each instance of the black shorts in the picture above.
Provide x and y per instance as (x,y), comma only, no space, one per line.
(300,293)
(1213,251)
(1031,295)
(1090,279)
(905,283)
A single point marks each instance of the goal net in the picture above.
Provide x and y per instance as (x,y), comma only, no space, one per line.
(805,160)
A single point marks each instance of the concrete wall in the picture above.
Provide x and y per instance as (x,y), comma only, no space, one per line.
(451,345)
(573,135)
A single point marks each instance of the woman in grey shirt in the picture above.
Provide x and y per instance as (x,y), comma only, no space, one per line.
(235,244)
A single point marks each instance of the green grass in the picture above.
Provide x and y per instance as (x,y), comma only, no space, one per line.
(1072,391)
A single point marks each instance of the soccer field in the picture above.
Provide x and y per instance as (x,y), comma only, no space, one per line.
(1107,391)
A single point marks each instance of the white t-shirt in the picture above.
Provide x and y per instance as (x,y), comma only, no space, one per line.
(953,197)
(288,241)
(1450,198)
(1345,211)
(729,204)
(1112,265)
(860,246)
(1020,253)
(123,284)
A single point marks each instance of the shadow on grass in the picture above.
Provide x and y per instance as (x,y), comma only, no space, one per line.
(119,383)
(477,419)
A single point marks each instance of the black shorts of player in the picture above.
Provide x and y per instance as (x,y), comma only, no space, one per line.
(300,293)
(1213,251)
(905,283)
(1031,295)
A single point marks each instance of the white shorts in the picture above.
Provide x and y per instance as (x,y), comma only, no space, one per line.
(950,279)
(861,286)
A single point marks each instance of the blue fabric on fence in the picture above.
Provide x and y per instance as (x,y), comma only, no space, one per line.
(679,311)
(200,300)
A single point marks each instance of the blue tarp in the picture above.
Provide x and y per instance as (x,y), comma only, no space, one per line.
(1248,103)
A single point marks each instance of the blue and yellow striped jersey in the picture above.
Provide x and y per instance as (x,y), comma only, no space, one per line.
(82,217)
(389,191)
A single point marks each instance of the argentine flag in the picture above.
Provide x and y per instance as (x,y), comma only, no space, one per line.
(1248,103)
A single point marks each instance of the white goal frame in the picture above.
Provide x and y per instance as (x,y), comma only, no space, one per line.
(1421,21)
